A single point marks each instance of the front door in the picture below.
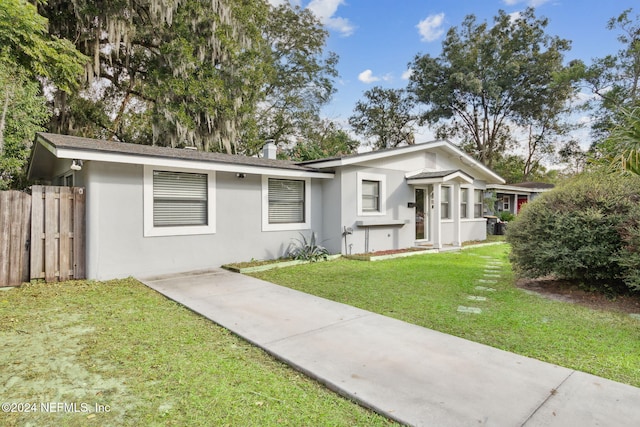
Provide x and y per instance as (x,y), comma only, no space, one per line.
(422,214)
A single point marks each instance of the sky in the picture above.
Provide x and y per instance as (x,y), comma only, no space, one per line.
(377,39)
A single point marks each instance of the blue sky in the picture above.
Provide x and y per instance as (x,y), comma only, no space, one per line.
(376,39)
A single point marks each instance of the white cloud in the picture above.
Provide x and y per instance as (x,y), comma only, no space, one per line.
(407,74)
(367,77)
(430,28)
(325,10)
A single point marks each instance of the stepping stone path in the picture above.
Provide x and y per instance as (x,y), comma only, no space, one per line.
(473,310)
(485,289)
(492,271)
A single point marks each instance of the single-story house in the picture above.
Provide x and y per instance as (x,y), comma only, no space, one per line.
(153,210)
(510,198)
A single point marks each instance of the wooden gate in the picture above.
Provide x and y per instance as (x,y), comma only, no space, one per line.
(15,229)
(42,236)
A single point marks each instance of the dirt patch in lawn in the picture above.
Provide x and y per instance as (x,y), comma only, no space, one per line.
(47,375)
(562,290)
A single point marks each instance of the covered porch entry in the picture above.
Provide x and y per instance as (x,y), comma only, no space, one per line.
(438,200)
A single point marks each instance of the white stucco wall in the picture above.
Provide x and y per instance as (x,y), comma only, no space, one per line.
(116,246)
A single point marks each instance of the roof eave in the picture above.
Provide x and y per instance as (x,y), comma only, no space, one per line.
(87,154)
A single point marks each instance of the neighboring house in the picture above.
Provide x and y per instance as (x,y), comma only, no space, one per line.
(510,198)
(153,210)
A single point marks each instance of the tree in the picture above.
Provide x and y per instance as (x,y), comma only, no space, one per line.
(29,59)
(491,83)
(622,147)
(573,156)
(26,43)
(220,75)
(184,72)
(385,117)
(322,139)
(299,78)
(23,112)
(615,79)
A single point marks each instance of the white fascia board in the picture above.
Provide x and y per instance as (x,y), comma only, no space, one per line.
(458,176)
(65,153)
(516,190)
(374,155)
(470,161)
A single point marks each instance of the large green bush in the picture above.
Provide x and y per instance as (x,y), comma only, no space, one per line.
(587,230)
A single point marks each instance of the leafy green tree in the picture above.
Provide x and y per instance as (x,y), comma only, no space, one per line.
(322,139)
(385,117)
(29,59)
(492,80)
(221,75)
(23,112)
(300,75)
(622,147)
(26,43)
(184,72)
(615,79)
(572,155)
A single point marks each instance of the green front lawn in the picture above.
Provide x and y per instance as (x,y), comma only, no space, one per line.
(428,289)
(143,360)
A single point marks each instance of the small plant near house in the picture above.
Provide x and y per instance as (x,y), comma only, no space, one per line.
(506,216)
(307,249)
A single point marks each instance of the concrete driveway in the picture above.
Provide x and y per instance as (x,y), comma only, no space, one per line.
(411,374)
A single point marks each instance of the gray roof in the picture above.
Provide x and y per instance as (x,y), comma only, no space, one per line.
(89,144)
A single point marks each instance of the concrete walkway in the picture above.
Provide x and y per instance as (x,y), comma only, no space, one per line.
(411,374)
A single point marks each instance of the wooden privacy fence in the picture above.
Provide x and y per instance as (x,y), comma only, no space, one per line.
(42,235)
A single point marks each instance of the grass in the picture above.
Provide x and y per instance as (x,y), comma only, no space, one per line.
(426,290)
(149,361)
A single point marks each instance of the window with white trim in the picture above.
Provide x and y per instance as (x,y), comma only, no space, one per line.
(506,205)
(478,203)
(285,203)
(178,202)
(464,198)
(179,199)
(371,194)
(445,198)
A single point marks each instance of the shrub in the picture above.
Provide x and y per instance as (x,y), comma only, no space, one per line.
(307,250)
(506,216)
(587,230)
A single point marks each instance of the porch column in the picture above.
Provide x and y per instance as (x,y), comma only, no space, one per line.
(456,215)
(437,216)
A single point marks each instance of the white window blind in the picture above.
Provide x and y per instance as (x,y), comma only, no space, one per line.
(477,205)
(179,199)
(444,203)
(464,194)
(286,201)
(370,196)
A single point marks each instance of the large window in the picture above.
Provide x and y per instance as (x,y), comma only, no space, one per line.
(464,198)
(179,199)
(370,196)
(286,201)
(178,202)
(445,199)
(478,204)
